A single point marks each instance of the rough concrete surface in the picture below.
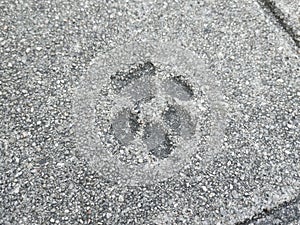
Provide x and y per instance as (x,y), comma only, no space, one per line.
(286,14)
(291,11)
(148,112)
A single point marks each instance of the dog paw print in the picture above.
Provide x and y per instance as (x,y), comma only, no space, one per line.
(152,112)
(143,110)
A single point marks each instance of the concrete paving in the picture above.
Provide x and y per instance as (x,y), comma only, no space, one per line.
(148,112)
(286,13)
(291,9)
(291,12)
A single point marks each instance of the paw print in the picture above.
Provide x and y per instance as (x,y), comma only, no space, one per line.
(152,113)
(144,110)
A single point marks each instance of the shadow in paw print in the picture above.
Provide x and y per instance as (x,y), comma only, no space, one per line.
(179,121)
(178,88)
(122,79)
(125,126)
(157,141)
(134,119)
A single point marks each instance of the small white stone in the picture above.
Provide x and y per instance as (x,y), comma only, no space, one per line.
(280,80)
(220,55)
(39,48)
(16,190)
(121,198)
(211,195)
(140,160)
(60,164)
(18,174)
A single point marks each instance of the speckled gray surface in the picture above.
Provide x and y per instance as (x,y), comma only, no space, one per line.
(291,11)
(286,14)
(248,174)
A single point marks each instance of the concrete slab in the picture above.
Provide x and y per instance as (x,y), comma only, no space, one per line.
(233,100)
(286,14)
(291,11)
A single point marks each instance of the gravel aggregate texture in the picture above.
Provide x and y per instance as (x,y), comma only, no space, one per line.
(286,14)
(148,112)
